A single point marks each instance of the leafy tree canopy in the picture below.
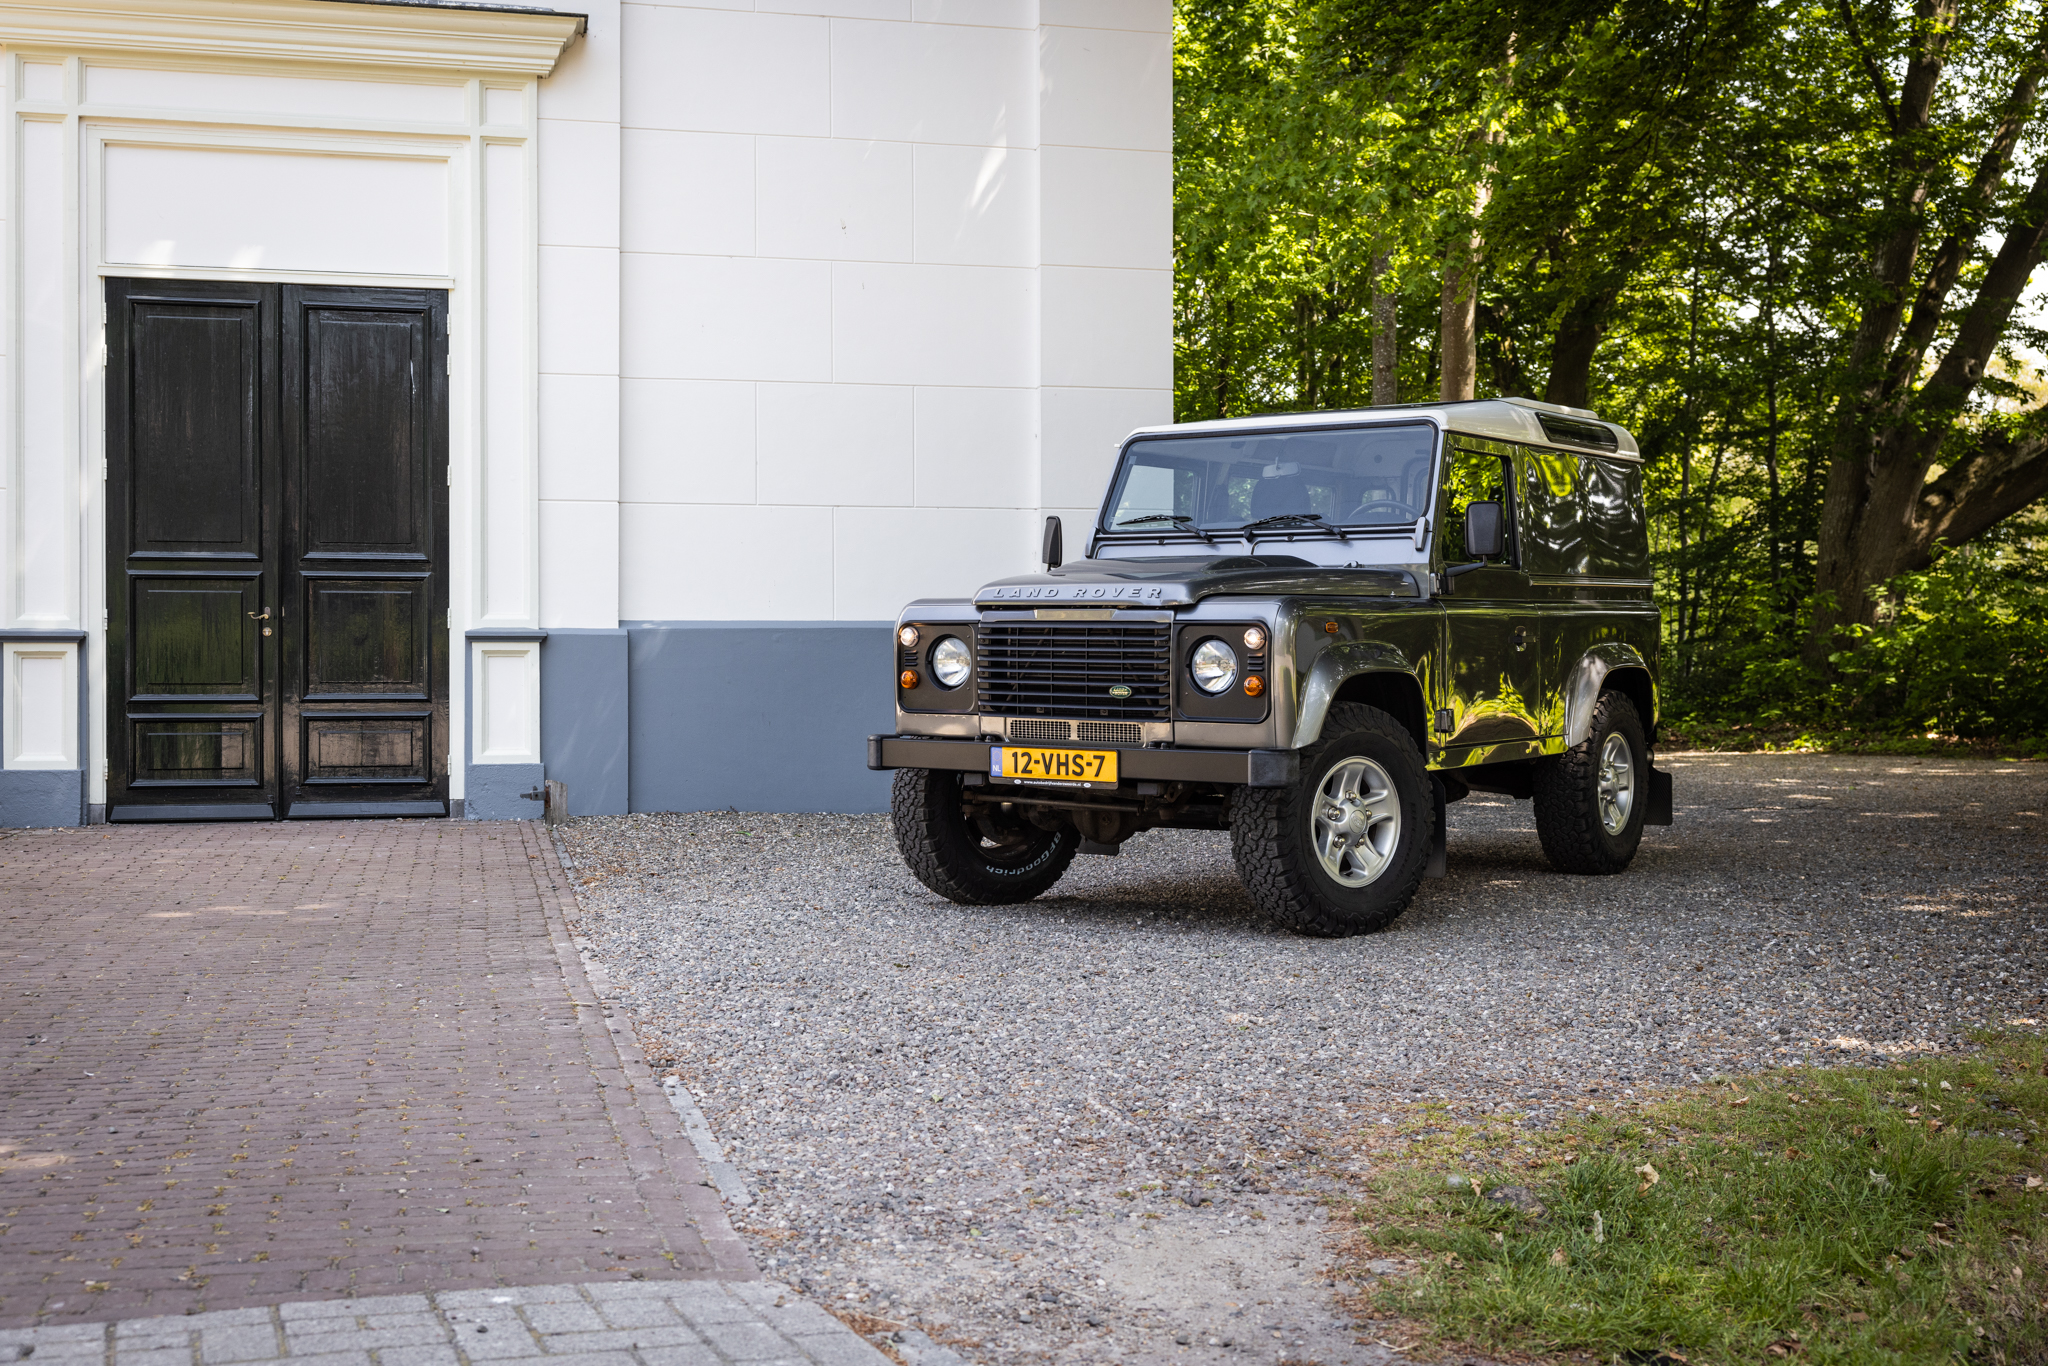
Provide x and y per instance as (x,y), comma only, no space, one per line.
(1787,242)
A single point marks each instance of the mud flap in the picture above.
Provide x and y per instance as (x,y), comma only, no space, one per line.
(1659,812)
(1439,860)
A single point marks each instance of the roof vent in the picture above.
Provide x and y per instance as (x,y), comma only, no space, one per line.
(1571,432)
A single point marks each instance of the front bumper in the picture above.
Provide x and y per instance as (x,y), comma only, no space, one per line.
(1224,767)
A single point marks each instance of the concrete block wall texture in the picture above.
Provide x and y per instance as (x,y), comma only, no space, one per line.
(862,290)
(892,277)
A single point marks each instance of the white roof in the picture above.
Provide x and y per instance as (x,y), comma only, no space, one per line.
(1504,419)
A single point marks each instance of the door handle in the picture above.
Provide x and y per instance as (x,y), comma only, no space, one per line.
(264,615)
(1521,637)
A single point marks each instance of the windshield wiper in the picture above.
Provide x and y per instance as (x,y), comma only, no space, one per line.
(1280,519)
(1180,520)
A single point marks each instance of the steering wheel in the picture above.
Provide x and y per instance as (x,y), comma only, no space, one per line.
(1400,510)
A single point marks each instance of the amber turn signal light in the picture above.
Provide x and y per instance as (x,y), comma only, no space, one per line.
(908,678)
(1331,627)
(1254,685)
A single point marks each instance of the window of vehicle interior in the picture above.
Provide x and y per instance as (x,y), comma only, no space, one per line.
(1471,477)
(1354,476)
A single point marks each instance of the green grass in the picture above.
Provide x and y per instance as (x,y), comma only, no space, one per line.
(1804,1214)
(1792,737)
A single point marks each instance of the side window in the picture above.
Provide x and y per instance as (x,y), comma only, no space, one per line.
(1470,477)
(1618,543)
(1552,513)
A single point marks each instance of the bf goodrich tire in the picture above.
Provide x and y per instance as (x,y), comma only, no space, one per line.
(991,860)
(1342,850)
(1591,800)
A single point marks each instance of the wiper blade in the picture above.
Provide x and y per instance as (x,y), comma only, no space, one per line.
(1180,520)
(1282,519)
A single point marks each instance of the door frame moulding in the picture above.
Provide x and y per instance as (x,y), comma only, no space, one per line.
(474,49)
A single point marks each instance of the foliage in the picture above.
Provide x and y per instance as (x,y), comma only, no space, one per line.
(1961,649)
(1853,1215)
(1677,204)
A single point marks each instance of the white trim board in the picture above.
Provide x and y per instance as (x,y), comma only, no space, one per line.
(328,31)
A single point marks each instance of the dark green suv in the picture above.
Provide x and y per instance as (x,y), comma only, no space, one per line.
(1312,631)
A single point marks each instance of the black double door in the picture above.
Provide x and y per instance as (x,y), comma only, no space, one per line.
(277,541)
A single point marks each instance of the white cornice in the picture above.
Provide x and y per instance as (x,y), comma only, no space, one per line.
(325,31)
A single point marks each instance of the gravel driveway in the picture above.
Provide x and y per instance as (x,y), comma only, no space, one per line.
(1084,1127)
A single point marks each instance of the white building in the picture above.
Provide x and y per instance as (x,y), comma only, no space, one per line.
(405,403)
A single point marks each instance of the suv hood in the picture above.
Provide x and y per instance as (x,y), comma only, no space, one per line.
(1183,580)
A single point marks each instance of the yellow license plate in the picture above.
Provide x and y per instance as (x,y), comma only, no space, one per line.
(1066,767)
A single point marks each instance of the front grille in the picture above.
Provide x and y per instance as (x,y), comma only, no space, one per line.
(1109,733)
(1065,668)
(1041,730)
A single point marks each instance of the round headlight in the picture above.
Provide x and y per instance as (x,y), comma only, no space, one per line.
(908,637)
(950,662)
(1214,666)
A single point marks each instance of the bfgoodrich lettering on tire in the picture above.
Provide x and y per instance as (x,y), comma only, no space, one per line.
(983,856)
(1341,851)
(1591,800)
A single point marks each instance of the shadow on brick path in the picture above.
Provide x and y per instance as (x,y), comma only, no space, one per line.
(245,1065)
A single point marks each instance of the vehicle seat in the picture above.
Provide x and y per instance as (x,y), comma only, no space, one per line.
(1285,493)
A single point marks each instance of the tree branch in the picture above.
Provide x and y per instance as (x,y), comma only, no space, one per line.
(1940,400)
(2004,474)
(1870,67)
(1955,250)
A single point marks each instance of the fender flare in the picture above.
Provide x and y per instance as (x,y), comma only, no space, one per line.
(1582,692)
(1332,669)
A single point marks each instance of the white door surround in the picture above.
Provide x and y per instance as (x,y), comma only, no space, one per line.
(305,141)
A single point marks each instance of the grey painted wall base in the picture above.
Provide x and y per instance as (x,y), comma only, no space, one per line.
(497,792)
(584,718)
(759,716)
(41,797)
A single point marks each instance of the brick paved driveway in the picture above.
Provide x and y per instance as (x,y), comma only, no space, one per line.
(251,1064)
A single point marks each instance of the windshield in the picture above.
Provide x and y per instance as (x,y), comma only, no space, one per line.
(1357,476)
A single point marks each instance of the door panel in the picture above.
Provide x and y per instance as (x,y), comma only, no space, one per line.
(277,536)
(1491,660)
(191,540)
(195,637)
(368,638)
(365,452)
(210,751)
(365,477)
(194,460)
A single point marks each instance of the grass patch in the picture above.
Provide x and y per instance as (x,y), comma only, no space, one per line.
(1792,737)
(1896,1214)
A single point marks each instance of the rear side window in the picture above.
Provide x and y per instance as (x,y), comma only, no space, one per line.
(1581,516)
(1617,542)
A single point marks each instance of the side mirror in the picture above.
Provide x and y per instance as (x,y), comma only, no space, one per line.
(1485,535)
(1055,551)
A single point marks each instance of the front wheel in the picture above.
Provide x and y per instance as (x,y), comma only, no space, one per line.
(1342,851)
(1591,800)
(979,855)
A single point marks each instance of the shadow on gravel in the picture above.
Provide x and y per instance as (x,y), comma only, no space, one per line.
(972,1116)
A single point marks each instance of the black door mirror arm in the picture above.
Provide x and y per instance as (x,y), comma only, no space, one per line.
(1450,572)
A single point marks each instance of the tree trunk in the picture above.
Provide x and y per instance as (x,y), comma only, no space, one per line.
(1880,516)
(1459,332)
(1386,385)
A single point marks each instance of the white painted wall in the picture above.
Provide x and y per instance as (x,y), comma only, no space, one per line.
(292,166)
(895,275)
(788,312)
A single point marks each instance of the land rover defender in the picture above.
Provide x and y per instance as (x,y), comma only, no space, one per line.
(1310,630)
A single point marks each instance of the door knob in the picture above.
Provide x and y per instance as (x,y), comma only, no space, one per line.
(1521,637)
